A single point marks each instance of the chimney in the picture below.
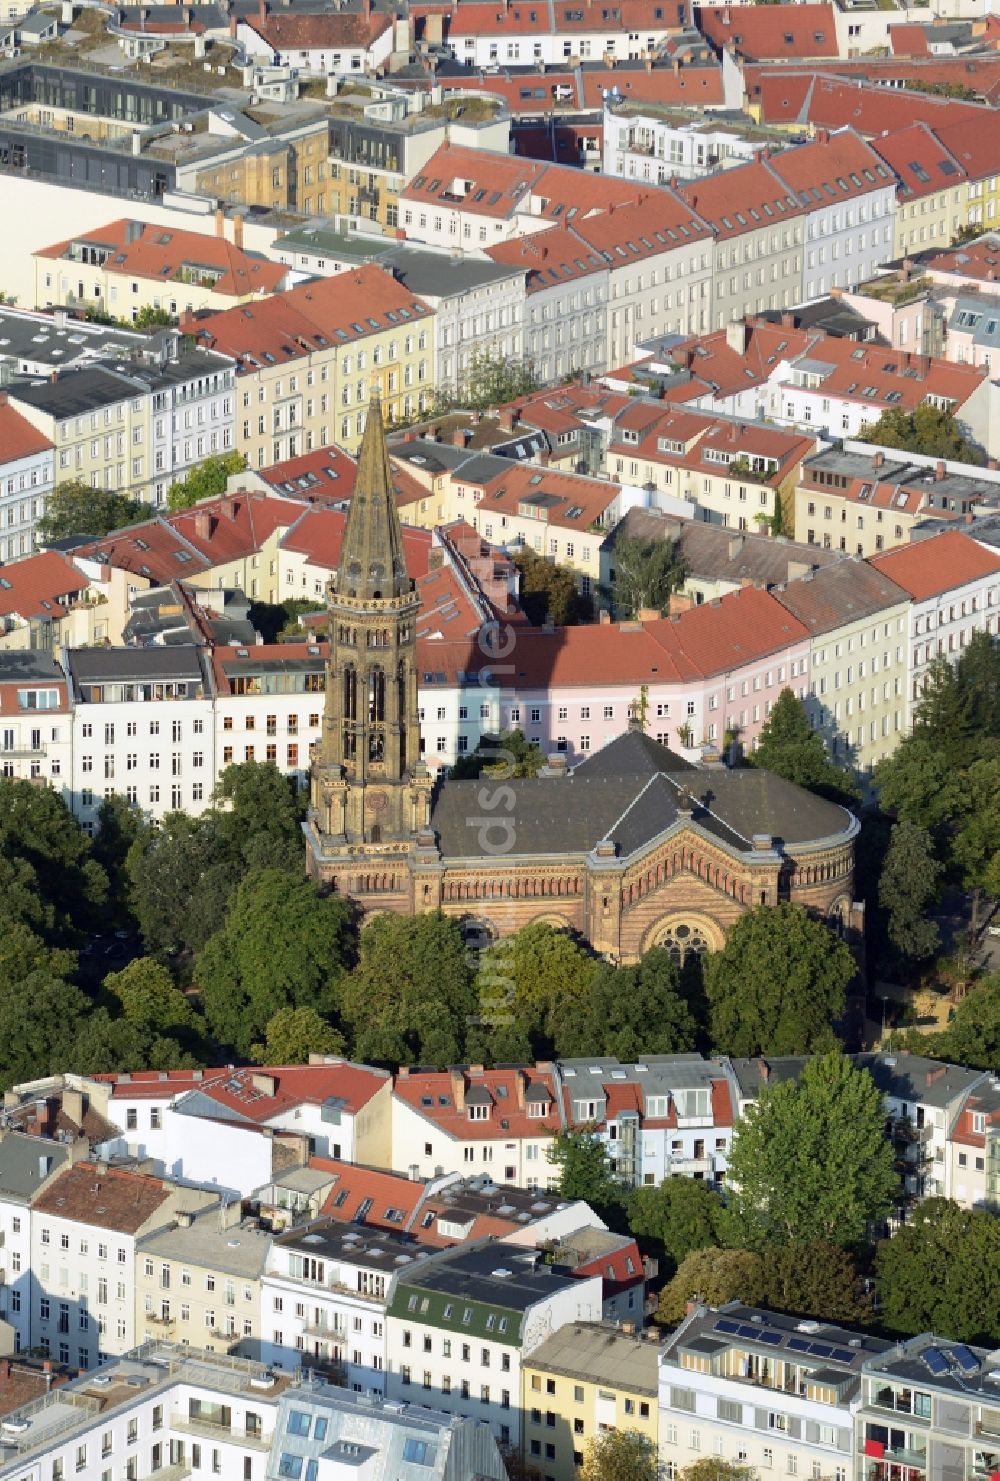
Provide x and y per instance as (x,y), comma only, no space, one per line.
(228,508)
(509,418)
(936,1073)
(234,23)
(736,543)
(264,1084)
(940,471)
(680,601)
(203,524)
(262,10)
(821,136)
(458,437)
(72,1104)
(220,222)
(238,233)
(878,459)
(788,321)
(647,614)
(520,1083)
(736,337)
(458,1089)
(765,1070)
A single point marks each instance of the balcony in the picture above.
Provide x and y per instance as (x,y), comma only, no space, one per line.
(209,1429)
(988,1425)
(15,752)
(333,1372)
(332,1331)
(692,1165)
(158,1319)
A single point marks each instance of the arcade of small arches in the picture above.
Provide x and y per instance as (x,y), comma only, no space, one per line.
(516,888)
(737,887)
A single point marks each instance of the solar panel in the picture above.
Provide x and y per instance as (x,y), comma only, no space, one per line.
(965,1358)
(771,1338)
(798,1344)
(842,1355)
(727,1326)
(820,1350)
(936,1361)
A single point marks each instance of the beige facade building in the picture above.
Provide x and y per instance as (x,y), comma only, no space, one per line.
(197,1282)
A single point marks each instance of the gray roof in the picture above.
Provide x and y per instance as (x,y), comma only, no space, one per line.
(438,275)
(974,1380)
(500,1276)
(238,1250)
(632,791)
(752,1075)
(352,1244)
(911,1077)
(602,1355)
(76,392)
(128,665)
(821,1346)
(26,1162)
(846,591)
(718,554)
(17,667)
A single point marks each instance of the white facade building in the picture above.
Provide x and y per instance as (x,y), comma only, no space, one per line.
(653,145)
(27,474)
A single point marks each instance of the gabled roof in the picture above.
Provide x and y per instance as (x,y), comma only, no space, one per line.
(833,168)
(746,198)
(327,30)
(760,32)
(927,568)
(921,162)
(440,1098)
(33,587)
(318,534)
(550,258)
(568,500)
(824,100)
(107,1197)
(260,1095)
(840,593)
(18,438)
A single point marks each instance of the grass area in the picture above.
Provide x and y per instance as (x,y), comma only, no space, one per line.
(891,290)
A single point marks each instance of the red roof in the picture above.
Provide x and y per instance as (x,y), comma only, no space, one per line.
(18,438)
(260,1095)
(140,250)
(908,41)
(922,164)
(385,1192)
(327,473)
(177,545)
(830,101)
(549,257)
(327,30)
(499,185)
(40,585)
(692,85)
(438,1096)
(317,535)
(771,31)
(841,166)
(152,1084)
(927,568)
(746,198)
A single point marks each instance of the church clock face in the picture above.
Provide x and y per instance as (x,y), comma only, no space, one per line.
(376,802)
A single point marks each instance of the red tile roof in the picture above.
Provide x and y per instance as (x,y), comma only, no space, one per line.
(499,185)
(832,102)
(547,493)
(659,221)
(771,31)
(908,41)
(260,1095)
(326,30)
(229,528)
(927,568)
(33,587)
(746,198)
(693,85)
(432,1094)
(152,1084)
(978,261)
(108,1198)
(140,250)
(317,535)
(922,164)
(839,166)
(388,1192)
(327,473)
(558,255)
(18,438)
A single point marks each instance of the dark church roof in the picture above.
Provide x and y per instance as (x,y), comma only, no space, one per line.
(628,793)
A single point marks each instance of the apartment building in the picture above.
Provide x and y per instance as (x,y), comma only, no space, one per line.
(35,720)
(198,1281)
(269,705)
(469,1120)
(460,1325)
(758,224)
(324,1296)
(134,425)
(584,1380)
(567,288)
(954,588)
(26,1166)
(848,194)
(489,36)
(857,619)
(320,44)
(126,266)
(143,726)
(972,1148)
(930,1406)
(669,1116)
(84,1228)
(931,197)
(758,1389)
(645,142)
(307,362)
(27,477)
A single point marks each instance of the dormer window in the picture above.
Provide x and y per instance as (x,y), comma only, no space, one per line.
(478,1113)
(537,1109)
(979,1122)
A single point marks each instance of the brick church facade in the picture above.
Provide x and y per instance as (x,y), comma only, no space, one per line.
(635,847)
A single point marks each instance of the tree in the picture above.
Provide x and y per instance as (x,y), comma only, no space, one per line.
(278,622)
(119,824)
(584,1170)
(548,974)
(789,747)
(713,1467)
(295,1033)
(681,1215)
(810,1159)
(647,572)
(908,887)
(927,429)
(283,944)
(151,318)
(75,508)
(620,1455)
(817,1276)
(149,999)
(493,379)
(40,1019)
(632,1011)
(37,828)
(180,881)
(918,783)
(260,816)
(714,1276)
(411,994)
(550,593)
(507,754)
(973,1035)
(207,481)
(941,1273)
(777,984)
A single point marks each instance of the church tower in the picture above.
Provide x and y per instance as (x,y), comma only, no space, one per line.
(370,791)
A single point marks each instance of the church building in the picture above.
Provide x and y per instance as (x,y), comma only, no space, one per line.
(634,847)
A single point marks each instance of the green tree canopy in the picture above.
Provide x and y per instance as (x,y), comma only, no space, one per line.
(620,1455)
(37,829)
(908,887)
(715,1468)
(180,880)
(816,1276)
(549,975)
(927,429)
(714,1276)
(41,1017)
(260,816)
(75,508)
(507,754)
(646,574)
(777,984)
(810,1159)
(584,1169)
(411,995)
(941,1273)
(631,1011)
(151,1002)
(283,944)
(295,1033)
(207,481)
(973,1035)
(789,747)
(550,593)
(681,1215)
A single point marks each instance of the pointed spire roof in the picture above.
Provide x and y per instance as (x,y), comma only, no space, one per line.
(372,560)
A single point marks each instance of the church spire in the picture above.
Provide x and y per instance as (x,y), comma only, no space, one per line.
(372,559)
